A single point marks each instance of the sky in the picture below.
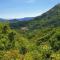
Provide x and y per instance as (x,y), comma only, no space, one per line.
(25,8)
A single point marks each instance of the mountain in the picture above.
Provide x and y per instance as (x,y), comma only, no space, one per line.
(16,20)
(37,39)
(26,18)
(20,19)
(50,18)
(2,20)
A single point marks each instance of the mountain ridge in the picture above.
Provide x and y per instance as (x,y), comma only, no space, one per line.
(50,18)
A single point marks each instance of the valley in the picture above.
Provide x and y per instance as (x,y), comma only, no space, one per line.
(36,39)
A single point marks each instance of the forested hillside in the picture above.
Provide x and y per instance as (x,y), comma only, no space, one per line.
(50,18)
(37,39)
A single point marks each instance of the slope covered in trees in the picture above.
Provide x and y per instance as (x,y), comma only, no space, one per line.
(38,39)
(50,18)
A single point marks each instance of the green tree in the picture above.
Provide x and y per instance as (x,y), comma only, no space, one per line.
(4,29)
(11,36)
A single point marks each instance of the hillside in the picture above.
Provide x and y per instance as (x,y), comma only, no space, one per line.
(37,39)
(50,18)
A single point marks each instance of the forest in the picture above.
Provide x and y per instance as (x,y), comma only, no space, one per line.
(37,39)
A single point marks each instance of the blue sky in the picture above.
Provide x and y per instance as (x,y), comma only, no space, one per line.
(25,8)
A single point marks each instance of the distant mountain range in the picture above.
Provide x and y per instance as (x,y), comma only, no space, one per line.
(26,18)
(17,19)
(2,20)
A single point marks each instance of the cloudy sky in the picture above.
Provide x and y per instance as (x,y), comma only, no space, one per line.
(25,8)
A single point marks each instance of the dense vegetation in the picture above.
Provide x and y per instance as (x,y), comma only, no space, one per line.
(37,39)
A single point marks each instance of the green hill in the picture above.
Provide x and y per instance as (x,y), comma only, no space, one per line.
(37,39)
(50,18)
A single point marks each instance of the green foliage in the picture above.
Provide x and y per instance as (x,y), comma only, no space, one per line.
(23,50)
(11,36)
(40,40)
(4,29)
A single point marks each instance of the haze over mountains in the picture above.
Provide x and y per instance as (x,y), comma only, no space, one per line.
(18,19)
